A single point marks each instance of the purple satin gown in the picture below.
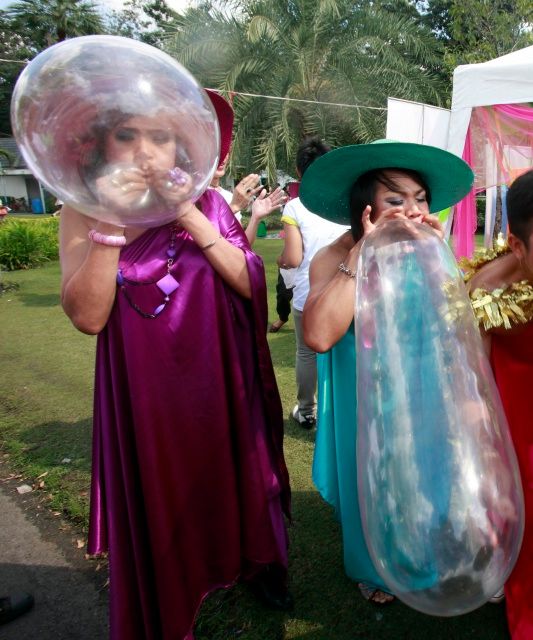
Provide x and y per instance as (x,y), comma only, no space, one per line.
(189,481)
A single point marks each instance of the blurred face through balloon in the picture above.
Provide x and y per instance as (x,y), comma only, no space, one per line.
(136,164)
(142,141)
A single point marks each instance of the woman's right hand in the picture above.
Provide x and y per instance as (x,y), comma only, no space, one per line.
(393,213)
(122,188)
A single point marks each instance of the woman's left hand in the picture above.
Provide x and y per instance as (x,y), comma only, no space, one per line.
(174,186)
(435,224)
(264,204)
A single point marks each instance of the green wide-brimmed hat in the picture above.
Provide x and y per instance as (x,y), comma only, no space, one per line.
(327,183)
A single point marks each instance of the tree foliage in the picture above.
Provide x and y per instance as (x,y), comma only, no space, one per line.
(309,52)
(316,51)
(140,20)
(18,49)
(49,21)
(478,30)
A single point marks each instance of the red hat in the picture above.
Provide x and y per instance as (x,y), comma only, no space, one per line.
(224,113)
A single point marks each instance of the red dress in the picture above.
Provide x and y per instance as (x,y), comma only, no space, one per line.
(512,362)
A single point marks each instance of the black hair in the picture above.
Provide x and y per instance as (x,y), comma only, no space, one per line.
(363,193)
(520,207)
(308,151)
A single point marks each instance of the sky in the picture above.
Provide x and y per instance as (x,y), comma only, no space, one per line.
(177,5)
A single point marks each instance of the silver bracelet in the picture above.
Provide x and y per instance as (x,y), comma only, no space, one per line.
(210,244)
(346,270)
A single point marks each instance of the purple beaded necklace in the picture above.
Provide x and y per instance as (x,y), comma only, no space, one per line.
(168,284)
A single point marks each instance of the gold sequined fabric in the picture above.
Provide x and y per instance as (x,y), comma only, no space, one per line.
(481,257)
(506,307)
(503,307)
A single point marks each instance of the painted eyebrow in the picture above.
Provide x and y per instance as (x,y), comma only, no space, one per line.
(137,130)
(404,193)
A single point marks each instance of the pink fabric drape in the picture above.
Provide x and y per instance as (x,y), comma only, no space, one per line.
(465,219)
(499,148)
(520,112)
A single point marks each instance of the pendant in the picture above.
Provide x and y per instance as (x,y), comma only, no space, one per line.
(168,284)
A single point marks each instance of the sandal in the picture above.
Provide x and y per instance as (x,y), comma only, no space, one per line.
(276,326)
(498,597)
(375,595)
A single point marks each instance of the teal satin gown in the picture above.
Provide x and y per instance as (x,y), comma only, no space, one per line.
(334,465)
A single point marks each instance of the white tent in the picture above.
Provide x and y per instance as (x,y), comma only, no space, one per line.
(496,152)
(499,135)
(504,80)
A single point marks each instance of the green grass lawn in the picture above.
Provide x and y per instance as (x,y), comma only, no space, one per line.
(46,384)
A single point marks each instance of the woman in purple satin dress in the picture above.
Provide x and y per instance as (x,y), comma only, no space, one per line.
(189,483)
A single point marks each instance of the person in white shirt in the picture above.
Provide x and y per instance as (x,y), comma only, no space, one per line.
(305,234)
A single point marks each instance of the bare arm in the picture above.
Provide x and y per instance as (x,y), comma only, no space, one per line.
(293,249)
(226,259)
(329,309)
(89,269)
(330,306)
(88,284)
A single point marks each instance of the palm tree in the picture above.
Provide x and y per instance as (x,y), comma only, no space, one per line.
(51,21)
(322,51)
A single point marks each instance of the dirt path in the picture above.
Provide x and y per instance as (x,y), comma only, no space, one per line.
(39,553)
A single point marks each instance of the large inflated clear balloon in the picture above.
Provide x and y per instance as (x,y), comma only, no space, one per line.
(439,487)
(116,128)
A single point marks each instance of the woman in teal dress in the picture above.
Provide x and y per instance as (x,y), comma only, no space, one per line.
(334,469)
(364,186)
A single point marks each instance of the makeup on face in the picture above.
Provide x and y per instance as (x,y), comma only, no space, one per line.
(401,191)
(144,142)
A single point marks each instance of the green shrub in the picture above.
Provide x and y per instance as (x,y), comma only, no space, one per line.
(273,221)
(28,243)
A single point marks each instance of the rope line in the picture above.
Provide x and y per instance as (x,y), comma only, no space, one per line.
(331,104)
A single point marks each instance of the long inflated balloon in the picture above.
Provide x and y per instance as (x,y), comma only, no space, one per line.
(439,487)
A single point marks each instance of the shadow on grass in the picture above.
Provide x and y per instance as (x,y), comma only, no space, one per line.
(58,454)
(330,607)
(52,442)
(40,300)
(298,433)
(67,605)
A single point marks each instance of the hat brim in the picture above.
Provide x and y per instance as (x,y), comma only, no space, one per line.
(326,185)
(224,113)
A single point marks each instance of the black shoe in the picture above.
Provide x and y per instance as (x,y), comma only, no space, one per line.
(306,422)
(15,605)
(272,591)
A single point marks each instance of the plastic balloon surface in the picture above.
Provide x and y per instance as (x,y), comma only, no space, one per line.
(439,487)
(116,128)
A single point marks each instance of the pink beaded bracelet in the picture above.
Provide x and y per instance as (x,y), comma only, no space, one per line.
(110,241)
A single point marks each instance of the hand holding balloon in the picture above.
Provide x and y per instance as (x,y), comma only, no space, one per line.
(123,188)
(399,213)
(174,186)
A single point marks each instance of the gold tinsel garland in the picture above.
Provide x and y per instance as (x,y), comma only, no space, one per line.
(470,266)
(506,307)
(503,307)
